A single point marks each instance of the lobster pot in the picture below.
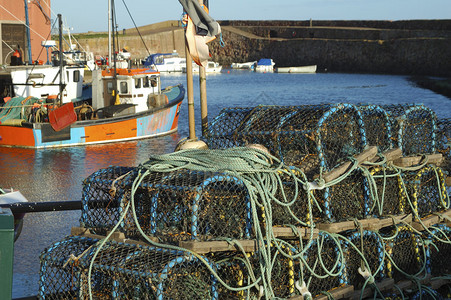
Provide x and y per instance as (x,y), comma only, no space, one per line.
(59,277)
(233,270)
(126,271)
(377,126)
(440,251)
(253,125)
(405,254)
(427,294)
(427,191)
(414,128)
(294,204)
(284,271)
(366,248)
(391,194)
(349,198)
(322,258)
(191,205)
(445,291)
(101,209)
(444,143)
(314,138)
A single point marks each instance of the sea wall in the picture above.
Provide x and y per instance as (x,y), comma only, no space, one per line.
(418,47)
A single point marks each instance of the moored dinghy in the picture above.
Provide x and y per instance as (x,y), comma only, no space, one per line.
(302,69)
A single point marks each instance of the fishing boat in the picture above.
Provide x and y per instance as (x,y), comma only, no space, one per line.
(165,62)
(302,69)
(48,108)
(265,65)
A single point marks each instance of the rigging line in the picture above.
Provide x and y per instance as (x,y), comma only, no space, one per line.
(34,31)
(7,45)
(47,17)
(148,52)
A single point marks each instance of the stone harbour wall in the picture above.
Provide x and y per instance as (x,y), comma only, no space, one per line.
(417,47)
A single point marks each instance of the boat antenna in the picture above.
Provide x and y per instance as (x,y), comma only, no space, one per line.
(60,54)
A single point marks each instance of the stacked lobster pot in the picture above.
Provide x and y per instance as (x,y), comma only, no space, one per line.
(415,132)
(313,138)
(114,270)
(444,143)
(299,202)
(182,205)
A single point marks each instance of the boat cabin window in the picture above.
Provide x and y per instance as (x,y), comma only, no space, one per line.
(146,82)
(123,87)
(153,82)
(76,76)
(138,83)
(109,87)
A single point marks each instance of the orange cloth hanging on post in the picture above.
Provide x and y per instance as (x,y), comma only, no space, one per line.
(200,30)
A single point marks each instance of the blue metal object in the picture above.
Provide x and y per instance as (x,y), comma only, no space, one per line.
(27,23)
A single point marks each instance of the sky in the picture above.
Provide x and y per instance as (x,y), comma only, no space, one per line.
(92,15)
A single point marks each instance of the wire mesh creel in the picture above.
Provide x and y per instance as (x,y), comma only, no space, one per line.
(444,143)
(122,271)
(314,138)
(173,206)
(414,128)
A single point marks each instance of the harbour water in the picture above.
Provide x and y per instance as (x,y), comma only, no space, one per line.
(58,174)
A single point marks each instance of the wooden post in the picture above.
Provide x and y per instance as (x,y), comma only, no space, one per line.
(190,93)
(203,93)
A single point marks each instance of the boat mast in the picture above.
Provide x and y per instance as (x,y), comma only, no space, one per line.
(115,95)
(110,22)
(60,55)
(27,23)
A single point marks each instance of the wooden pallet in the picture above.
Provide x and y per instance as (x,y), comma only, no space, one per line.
(373,224)
(438,283)
(432,220)
(218,246)
(408,284)
(203,247)
(338,293)
(385,285)
(301,232)
(417,160)
(390,155)
(367,155)
(116,236)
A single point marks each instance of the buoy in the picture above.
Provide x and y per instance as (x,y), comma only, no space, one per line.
(186,143)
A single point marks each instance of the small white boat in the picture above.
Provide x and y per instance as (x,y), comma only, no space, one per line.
(246,65)
(302,69)
(165,62)
(265,65)
(212,67)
